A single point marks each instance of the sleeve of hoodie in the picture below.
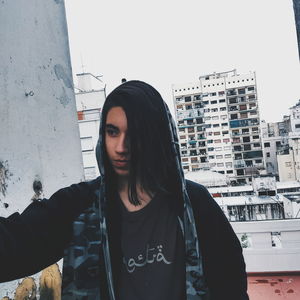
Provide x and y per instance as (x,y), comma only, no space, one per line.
(223,259)
(37,237)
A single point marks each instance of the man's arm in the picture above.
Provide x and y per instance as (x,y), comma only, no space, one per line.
(223,260)
(37,238)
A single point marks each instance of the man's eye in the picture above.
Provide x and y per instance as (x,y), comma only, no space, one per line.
(112,132)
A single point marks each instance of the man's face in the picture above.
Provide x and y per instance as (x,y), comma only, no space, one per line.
(116,140)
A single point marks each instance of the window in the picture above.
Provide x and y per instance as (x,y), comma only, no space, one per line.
(213,94)
(297,126)
(223,117)
(218,149)
(221,93)
(227,156)
(228,165)
(187,99)
(214,109)
(226,140)
(233,117)
(216,125)
(210,149)
(268,154)
(276,239)
(220,165)
(243,107)
(222,108)
(227,147)
(245,130)
(217,133)
(250,88)
(87,144)
(229,172)
(288,164)
(278,144)
(241,91)
(247,147)
(244,115)
(222,101)
(213,102)
(219,156)
(209,141)
(215,118)
(240,172)
(255,137)
(207,118)
(217,141)
(267,145)
(256,145)
(224,124)
(246,139)
(185,159)
(211,157)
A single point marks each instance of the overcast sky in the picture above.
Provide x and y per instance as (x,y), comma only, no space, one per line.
(164,42)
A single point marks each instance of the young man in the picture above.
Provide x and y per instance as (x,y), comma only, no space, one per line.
(143,232)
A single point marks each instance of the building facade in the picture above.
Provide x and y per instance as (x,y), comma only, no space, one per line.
(90,97)
(219,125)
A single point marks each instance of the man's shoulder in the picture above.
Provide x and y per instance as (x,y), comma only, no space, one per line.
(200,197)
(195,189)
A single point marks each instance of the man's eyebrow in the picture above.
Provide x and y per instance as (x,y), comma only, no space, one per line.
(111,126)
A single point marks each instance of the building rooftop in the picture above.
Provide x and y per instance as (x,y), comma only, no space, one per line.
(207,178)
(274,286)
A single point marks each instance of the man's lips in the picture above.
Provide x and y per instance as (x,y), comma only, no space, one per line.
(120,163)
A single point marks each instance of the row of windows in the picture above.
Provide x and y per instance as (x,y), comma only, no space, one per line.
(220,165)
(222,83)
(192,88)
(219,156)
(222,117)
(217,84)
(225,148)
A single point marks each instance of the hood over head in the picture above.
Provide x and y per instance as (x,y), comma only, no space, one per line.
(155,161)
(153,138)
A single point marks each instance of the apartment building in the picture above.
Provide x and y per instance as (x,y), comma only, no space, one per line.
(275,140)
(219,125)
(90,97)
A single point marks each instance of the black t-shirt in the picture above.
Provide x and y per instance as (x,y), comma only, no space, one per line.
(153,253)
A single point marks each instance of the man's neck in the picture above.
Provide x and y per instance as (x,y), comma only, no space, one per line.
(143,197)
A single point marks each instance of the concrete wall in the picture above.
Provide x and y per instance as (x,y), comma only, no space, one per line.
(38,120)
(261,256)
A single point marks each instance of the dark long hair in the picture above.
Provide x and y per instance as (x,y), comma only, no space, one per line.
(152,160)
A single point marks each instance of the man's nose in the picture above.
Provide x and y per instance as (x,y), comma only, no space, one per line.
(122,146)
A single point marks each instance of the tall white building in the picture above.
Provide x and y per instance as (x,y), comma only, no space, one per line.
(275,137)
(219,125)
(90,97)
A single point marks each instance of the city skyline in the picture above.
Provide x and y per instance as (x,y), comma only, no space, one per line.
(172,43)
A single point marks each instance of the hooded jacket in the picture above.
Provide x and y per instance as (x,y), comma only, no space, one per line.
(89,262)
(215,267)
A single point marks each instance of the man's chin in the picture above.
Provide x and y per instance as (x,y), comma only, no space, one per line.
(121,172)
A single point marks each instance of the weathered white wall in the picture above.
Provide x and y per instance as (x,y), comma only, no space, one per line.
(39,136)
(261,256)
